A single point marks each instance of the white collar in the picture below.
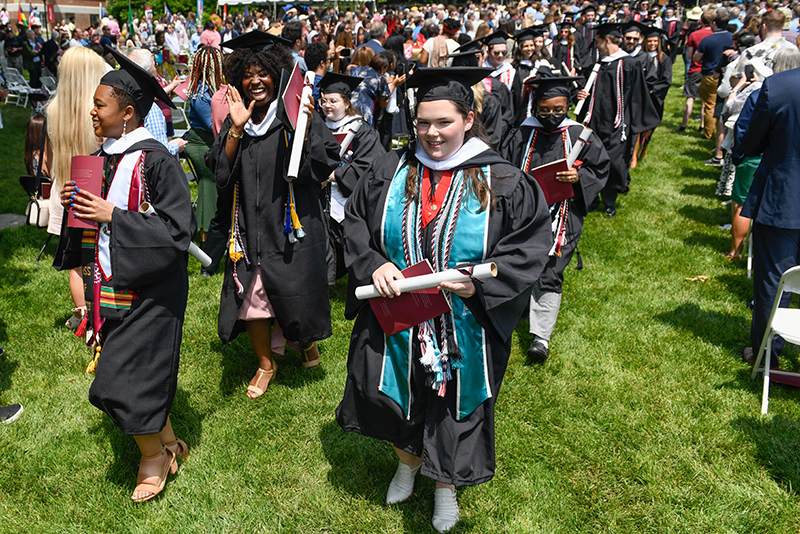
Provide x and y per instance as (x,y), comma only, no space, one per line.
(654,53)
(335,125)
(113,146)
(619,54)
(526,62)
(260,129)
(636,51)
(500,70)
(533,122)
(468,150)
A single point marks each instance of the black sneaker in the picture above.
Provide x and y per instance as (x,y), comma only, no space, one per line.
(714,162)
(10,413)
(682,129)
(611,212)
(537,352)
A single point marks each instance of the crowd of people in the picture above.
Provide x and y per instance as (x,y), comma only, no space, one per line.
(434,134)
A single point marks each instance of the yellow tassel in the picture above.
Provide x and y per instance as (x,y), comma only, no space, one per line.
(295,219)
(93,364)
(234,254)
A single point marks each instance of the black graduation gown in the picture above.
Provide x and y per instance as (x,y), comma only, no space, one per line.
(584,39)
(137,372)
(456,452)
(593,174)
(497,115)
(649,68)
(366,148)
(518,87)
(663,82)
(562,53)
(294,275)
(639,115)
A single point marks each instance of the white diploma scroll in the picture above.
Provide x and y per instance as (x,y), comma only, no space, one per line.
(587,88)
(578,146)
(479,272)
(147,209)
(300,129)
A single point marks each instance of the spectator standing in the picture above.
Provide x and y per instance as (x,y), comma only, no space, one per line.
(709,53)
(691,86)
(210,36)
(13,48)
(377,36)
(31,59)
(293,31)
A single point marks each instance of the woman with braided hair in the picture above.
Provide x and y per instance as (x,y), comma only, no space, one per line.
(449,199)
(205,79)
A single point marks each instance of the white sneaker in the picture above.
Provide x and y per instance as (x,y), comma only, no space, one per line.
(402,485)
(445,509)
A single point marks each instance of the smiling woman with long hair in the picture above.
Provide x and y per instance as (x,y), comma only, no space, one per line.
(276,271)
(449,199)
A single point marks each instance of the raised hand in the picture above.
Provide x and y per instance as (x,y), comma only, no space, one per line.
(239,113)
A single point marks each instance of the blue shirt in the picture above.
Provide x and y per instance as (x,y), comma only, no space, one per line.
(299,59)
(315,91)
(200,111)
(712,47)
(156,124)
(194,43)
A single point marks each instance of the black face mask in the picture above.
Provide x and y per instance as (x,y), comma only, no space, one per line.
(551,121)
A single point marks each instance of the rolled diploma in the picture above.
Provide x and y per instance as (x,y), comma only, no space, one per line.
(349,138)
(427,281)
(300,130)
(146,209)
(576,148)
(587,88)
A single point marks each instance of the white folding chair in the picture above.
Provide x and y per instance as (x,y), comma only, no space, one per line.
(49,83)
(18,86)
(749,239)
(784,322)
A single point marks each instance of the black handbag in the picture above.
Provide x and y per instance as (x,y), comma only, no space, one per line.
(37,212)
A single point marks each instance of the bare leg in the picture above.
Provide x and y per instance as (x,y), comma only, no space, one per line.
(167,435)
(259,332)
(687,111)
(720,136)
(76,287)
(150,468)
(407,458)
(739,227)
(635,157)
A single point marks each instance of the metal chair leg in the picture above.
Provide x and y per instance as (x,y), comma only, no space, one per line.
(49,236)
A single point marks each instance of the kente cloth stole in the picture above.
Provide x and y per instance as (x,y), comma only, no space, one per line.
(461,235)
(560,210)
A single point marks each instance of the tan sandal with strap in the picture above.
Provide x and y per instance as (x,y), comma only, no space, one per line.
(179,448)
(311,356)
(261,373)
(170,465)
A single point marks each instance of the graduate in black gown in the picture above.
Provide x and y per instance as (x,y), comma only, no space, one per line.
(525,61)
(653,39)
(363,148)
(134,271)
(566,50)
(493,101)
(619,107)
(455,197)
(546,137)
(633,44)
(585,34)
(275,273)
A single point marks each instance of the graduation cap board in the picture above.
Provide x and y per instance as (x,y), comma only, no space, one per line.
(633,26)
(136,82)
(528,34)
(333,82)
(454,83)
(608,29)
(257,41)
(498,37)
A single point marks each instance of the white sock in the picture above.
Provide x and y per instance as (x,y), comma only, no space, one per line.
(542,341)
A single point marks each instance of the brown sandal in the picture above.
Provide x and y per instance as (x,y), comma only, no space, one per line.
(261,373)
(170,465)
(311,356)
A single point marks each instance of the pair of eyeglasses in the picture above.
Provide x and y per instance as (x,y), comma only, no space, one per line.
(499,53)
(555,111)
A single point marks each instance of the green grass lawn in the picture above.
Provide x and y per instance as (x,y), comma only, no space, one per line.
(643,420)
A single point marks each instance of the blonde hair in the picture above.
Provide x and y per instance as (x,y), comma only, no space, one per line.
(69,125)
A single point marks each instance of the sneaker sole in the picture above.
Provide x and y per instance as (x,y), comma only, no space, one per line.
(15,416)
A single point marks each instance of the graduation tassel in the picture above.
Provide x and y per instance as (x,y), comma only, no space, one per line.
(81,330)
(298,228)
(93,364)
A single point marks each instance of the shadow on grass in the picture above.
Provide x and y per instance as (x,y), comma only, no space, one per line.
(703,215)
(737,282)
(364,467)
(717,243)
(705,190)
(7,367)
(777,447)
(719,329)
(188,426)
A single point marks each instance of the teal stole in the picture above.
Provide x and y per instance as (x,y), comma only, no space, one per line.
(461,218)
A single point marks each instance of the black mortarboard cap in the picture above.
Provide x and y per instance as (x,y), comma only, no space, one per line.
(566,24)
(135,81)
(465,54)
(607,29)
(652,31)
(527,34)
(588,8)
(671,6)
(498,37)
(333,82)
(633,26)
(454,83)
(548,85)
(257,41)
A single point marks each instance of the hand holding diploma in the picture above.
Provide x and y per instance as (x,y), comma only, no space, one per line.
(390,282)
(86,204)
